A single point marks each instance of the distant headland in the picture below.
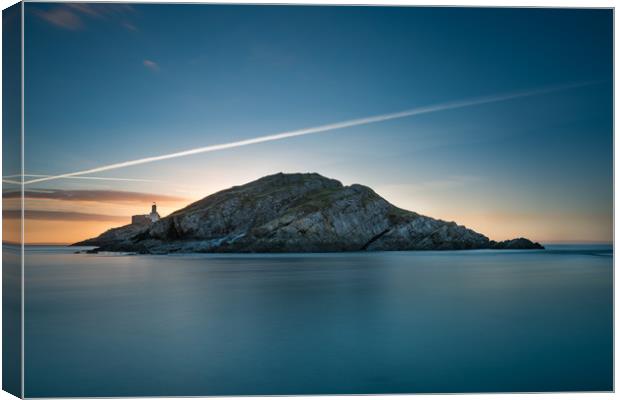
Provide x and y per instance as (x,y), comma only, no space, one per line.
(293,213)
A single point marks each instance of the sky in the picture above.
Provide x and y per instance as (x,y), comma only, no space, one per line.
(111,83)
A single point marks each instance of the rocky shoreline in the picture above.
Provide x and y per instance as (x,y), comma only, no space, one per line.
(284,213)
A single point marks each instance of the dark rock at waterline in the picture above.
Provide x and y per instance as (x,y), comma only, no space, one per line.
(516,244)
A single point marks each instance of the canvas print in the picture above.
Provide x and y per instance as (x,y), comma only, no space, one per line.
(214,200)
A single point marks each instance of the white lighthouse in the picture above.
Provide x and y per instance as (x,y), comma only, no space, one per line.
(146,219)
(154,216)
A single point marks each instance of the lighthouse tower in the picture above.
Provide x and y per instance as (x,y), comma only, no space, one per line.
(154,216)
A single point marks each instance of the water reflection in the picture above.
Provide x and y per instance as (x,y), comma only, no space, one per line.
(332,323)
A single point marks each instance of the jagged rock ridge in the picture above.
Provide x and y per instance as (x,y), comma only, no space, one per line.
(295,213)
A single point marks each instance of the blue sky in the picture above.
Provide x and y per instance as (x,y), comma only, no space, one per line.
(108,83)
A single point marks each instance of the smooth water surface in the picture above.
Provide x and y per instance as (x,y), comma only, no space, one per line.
(461,321)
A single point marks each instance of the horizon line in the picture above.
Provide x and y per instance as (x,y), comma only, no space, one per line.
(543,242)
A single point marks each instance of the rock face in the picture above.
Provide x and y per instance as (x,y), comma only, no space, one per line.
(295,213)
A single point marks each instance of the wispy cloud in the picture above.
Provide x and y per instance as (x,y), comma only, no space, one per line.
(71,16)
(326,128)
(152,65)
(62,216)
(62,17)
(113,196)
(87,9)
(129,26)
(101,11)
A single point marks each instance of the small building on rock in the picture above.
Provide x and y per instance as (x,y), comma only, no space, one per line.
(146,219)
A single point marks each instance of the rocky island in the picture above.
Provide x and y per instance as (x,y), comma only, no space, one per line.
(295,213)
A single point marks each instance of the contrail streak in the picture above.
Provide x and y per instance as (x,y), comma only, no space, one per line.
(322,128)
(96,178)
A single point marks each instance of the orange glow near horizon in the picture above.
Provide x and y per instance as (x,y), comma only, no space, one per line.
(63,232)
(496,215)
(67,222)
(494,225)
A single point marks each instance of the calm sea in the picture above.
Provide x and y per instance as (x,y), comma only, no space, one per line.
(389,322)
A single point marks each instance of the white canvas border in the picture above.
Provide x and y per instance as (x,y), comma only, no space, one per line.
(476,3)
